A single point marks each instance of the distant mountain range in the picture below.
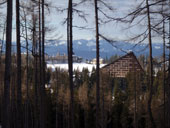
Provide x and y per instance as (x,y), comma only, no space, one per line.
(87,48)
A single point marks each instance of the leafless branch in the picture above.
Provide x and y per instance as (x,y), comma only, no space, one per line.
(82,27)
(112,42)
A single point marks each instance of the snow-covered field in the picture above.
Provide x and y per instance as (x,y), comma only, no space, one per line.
(76,66)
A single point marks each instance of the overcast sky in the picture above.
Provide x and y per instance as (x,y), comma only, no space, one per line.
(114,30)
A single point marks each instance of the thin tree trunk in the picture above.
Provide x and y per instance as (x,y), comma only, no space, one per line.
(97,69)
(19,93)
(3,37)
(70,61)
(57,78)
(164,75)
(153,125)
(35,54)
(43,65)
(43,44)
(27,87)
(68,31)
(6,95)
(168,86)
(40,64)
(103,109)
(42,121)
(135,121)
(13,107)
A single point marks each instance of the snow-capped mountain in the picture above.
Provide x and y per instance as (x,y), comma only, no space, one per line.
(87,48)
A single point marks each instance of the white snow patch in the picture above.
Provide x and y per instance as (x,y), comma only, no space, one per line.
(62,43)
(79,43)
(76,66)
(91,44)
(59,43)
(56,44)
(157,47)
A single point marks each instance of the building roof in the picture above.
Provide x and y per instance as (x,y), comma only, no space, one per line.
(131,54)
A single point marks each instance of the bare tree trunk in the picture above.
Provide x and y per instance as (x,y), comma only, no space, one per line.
(97,69)
(13,104)
(103,109)
(153,125)
(135,121)
(57,78)
(3,37)
(43,65)
(43,45)
(36,111)
(70,62)
(43,69)
(27,87)
(40,67)
(164,75)
(6,95)
(35,54)
(19,93)
(168,85)
(42,121)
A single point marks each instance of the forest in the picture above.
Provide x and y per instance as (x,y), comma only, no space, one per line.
(34,96)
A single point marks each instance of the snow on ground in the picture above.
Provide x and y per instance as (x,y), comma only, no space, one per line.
(76,66)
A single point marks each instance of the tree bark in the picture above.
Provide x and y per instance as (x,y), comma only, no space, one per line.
(27,86)
(35,54)
(43,68)
(135,93)
(168,85)
(164,73)
(3,36)
(6,95)
(153,125)
(97,68)
(19,93)
(70,62)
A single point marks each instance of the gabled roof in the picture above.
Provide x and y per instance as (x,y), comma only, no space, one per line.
(131,54)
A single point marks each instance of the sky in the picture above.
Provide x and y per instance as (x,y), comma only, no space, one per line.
(113,30)
(55,19)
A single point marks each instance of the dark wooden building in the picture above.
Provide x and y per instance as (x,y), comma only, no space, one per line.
(123,65)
